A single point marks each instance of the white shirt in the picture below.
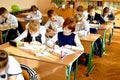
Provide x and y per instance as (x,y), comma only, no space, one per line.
(83,25)
(41,31)
(78,46)
(13,69)
(85,15)
(12,20)
(55,25)
(37,16)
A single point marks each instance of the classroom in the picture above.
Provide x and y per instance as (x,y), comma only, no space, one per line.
(59,39)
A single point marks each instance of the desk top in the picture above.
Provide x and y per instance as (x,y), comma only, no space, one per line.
(90,37)
(4,28)
(21,19)
(53,58)
(102,27)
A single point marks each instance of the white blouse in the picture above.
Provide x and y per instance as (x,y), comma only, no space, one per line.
(41,31)
(77,41)
(13,69)
(56,24)
(37,16)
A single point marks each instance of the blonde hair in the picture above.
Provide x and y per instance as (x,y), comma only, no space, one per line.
(34,25)
(78,17)
(3,59)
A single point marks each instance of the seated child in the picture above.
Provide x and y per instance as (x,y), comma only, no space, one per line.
(67,38)
(108,14)
(9,68)
(80,10)
(8,19)
(81,24)
(55,21)
(93,17)
(34,32)
(35,14)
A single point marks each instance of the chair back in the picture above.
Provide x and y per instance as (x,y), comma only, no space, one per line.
(28,73)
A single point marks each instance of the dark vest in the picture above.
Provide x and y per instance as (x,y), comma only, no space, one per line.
(29,38)
(66,39)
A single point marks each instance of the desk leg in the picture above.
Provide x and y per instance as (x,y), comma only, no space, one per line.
(111,34)
(76,68)
(68,71)
(90,66)
(1,37)
(110,37)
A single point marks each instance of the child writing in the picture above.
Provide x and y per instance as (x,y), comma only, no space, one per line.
(67,38)
(9,68)
(34,32)
(81,24)
(108,14)
(8,19)
(54,21)
(93,17)
(35,14)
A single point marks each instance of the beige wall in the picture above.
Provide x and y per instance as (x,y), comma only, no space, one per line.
(43,5)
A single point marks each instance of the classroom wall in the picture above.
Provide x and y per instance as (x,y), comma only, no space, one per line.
(43,5)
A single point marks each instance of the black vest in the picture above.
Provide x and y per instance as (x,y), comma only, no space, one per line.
(29,38)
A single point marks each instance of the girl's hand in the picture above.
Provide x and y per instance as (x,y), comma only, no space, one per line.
(68,46)
(35,43)
(56,47)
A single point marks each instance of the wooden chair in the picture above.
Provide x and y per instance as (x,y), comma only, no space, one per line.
(28,73)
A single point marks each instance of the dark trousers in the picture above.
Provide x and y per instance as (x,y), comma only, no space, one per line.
(98,42)
(12,34)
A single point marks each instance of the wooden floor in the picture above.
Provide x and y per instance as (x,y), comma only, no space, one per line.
(107,67)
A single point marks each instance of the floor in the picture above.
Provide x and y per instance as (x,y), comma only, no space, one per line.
(108,66)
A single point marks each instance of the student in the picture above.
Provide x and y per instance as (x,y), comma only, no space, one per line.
(34,32)
(108,14)
(35,14)
(9,19)
(81,24)
(54,21)
(81,11)
(9,68)
(67,38)
(94,17)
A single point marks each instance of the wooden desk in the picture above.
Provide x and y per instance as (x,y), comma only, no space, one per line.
(1,30)
(23,15)
(67,12)
(48,67)
(22,21)
(87,41)
(102,28)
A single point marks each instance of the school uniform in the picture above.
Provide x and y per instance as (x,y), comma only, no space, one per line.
(83,26)
(37,16)
(13,69)
(96,17)
(110,16)
(12,20)
(63,40)
(38,36)
(57,24)
(85,14)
